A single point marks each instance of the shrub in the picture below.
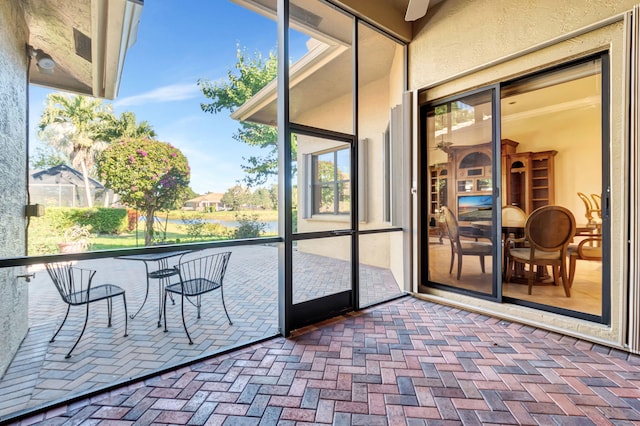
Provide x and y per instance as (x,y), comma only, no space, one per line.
(194,226)
(248,226)
(197,227)
(217,230)
(105,220)
(100,219)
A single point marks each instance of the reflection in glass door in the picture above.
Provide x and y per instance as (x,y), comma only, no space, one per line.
(461,205)
(321,142)
(322,255)
(553,121)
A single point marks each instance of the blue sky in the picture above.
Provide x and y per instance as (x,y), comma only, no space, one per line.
(178,43)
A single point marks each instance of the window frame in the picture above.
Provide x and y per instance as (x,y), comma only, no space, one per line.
(316,185)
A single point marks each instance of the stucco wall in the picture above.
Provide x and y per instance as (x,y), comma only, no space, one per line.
(13,113)
(444,61)
(458,35)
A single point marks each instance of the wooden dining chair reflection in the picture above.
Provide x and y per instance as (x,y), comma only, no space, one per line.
(513,217)
(547,232)
(588,249)
(463,248)
(593,215)
(597,203)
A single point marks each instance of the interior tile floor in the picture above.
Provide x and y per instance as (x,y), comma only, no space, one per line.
(407,361)
(586,291)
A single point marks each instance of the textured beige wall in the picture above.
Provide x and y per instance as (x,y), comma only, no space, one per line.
(450,52)
(13,140)
(458,35)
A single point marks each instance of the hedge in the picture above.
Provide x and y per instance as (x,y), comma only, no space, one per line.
(101,220)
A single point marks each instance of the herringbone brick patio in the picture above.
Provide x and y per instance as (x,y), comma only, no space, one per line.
(39,374)
(405,362)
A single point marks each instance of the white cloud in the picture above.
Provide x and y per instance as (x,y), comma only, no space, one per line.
(171,93)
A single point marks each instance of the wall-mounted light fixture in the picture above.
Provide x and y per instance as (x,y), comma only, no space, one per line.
(34,210)
(44,61)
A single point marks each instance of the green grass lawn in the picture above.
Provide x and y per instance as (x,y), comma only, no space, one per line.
(43,241)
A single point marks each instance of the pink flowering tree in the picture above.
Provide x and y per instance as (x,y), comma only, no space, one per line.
(148,175)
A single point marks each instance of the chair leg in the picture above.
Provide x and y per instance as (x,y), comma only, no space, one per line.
(482,264)
(572,269)
(184,323)
(531,277)
(109,311)
(164,313)
(451,265)
(199,303)
(459,265)
(84,327)
(124,300)
(60,328)
(224,305)
(556,275)
(565,281)
(508,270)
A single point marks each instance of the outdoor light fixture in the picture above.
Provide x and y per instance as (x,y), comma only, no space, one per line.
(44,62)
(34,210)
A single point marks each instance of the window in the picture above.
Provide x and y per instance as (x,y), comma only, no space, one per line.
(331,182)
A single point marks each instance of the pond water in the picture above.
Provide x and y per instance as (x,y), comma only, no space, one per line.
(270,226)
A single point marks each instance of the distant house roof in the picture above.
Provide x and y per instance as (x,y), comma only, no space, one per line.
(61,174)
(211,197)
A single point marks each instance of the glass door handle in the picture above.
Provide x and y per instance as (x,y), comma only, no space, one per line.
(342,232)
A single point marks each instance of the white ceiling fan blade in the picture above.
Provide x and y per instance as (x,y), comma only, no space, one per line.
(416,9)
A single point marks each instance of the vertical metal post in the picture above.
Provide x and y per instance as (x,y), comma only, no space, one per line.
(285,249)
(355,173)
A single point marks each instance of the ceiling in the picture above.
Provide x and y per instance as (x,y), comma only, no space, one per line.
(86,39)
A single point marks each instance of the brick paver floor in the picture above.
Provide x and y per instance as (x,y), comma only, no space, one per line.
(404,362)
(39,373)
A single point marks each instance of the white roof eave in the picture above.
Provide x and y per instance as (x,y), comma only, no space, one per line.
(316,58)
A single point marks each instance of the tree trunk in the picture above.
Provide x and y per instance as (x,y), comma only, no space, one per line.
(85,177)
(148,233)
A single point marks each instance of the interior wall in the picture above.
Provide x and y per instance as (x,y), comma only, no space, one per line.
(443,62)
(13,141)
(578,163)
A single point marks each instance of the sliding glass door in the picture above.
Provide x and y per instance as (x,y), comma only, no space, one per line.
(461,204)
(490,165)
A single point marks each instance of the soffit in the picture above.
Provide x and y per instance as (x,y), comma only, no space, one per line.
(87,40)
(323,75)
(330,75)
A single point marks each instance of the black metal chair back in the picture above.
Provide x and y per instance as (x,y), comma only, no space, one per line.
(201,274)
(197,277)
(75,287)
(72,283)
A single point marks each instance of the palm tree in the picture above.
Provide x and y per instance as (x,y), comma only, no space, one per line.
(126,127)
(71,124)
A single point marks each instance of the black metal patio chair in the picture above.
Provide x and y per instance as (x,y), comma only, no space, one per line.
(197,277)
(75,287)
